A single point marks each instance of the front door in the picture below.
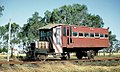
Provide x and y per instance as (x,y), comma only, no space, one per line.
(69,36)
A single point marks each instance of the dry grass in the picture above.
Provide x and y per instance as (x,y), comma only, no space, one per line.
(60,67)
(64,67)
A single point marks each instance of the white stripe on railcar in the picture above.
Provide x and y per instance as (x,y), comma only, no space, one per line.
(58,48)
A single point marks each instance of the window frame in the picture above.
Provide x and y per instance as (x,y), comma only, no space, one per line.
(86,33)
(73,34)
(107,35)
(102,36)
(81,33)
(64,31)
(96,35)
(91,36)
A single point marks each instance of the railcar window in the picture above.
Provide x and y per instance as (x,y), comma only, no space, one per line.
(64,31)
(42,34)
(45,33)
(49,33)
(68,32)
(74,33)
(80,34)
(101,35)
(96,34)
(58,36)
(91,34)
(70,40)
(86,34)
(106,35)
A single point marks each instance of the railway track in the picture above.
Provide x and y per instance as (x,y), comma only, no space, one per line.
(59,60)
(86,60)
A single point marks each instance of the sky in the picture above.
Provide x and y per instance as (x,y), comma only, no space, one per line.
(20,10)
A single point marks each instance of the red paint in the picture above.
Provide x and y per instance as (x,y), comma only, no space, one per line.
(85,42)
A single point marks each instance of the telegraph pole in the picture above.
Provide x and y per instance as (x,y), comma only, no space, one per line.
(9,40)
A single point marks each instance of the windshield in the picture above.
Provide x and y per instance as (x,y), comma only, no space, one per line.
(44,34)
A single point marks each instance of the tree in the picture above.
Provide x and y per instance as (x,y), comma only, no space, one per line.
(14,31)
(116,45)
(2,31)
(0,50)
(47,17)
(14,39)
(2,35)
(75,14)
(4,49)
(29,32)
(69,14)
(34,23)
(0,47)
(1,10)
(93,21)
(112,40)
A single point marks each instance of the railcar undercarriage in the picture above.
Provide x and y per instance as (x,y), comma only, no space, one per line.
(41,54)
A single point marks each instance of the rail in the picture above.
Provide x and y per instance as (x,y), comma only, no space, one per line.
(59,60)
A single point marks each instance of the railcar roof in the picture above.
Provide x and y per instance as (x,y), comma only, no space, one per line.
(49,26)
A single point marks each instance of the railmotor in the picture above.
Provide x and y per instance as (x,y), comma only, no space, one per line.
(61,40)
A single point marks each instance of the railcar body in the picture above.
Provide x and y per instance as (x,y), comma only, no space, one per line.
(63,39)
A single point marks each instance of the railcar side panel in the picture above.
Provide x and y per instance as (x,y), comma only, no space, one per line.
(76,41)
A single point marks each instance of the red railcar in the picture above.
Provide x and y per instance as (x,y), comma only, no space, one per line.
(63,39)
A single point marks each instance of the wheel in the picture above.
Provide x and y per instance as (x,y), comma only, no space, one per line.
(41,57)
(68,55)
(29,56)
(79,55)
(65,56)
(90,54)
